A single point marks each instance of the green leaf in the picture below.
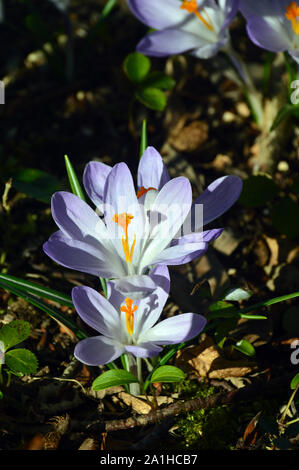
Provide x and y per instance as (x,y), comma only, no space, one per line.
(167,374)
(35,183)
(219,305)
(245,347)
(237,294)
(22,361)
(1,395)
(285,217)
(37,289)
(152,98)
(112,378)
(285,112)
(74,182)
(14,333)
(294,382)
(136,66)
(159,80)
(143,140)
(258,190)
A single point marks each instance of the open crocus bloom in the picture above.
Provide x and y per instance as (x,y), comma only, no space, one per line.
(130,326)
(200,26)
(273,25)
(138,231)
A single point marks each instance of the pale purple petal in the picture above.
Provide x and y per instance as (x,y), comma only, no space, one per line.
(94,178)
(216,199)
(175,329)
(78,255)
(181,254)
(168,42)
(136,286)
(207,236)
(144,349)
(157,14)
(152,172)
(74,217)
(151,306)
(268,33)
(96,311)
(230,8)
(120,197)
(98,350)
(167,215)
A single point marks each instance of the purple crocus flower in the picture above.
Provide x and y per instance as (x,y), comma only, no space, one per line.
(128,326)
(198,26)
(273,25)
(125,244)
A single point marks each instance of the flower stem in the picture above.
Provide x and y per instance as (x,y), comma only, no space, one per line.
(253,97)
(132,367)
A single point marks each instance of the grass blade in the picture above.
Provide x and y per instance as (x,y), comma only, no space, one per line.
(36,289)
(74,182)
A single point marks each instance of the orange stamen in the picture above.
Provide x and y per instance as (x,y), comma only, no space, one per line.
(123,220)
(292,14)
(129,311)
(191,7)
(143,191)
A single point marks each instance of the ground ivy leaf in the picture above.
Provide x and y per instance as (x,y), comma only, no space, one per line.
(136,66)
(14,333)
(21,360)
(112,378)
(294,382)
(245,347)
(167,374)
(152,98)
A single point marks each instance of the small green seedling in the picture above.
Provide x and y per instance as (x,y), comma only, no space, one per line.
(18,361)
(149,86)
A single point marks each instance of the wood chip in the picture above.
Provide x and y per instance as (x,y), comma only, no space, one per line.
(138,403)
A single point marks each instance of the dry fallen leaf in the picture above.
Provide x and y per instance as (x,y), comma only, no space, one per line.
(139,404)
(207,360)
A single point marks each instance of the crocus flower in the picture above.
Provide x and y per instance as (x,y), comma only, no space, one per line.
(130,326)
(273,25)
(200,27)
(125,244)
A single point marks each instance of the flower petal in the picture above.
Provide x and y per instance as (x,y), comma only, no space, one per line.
(168,42)
(136,286)
(97,350)
(216,199)
(181,254)
(156,13)
(152,172)
(144,349)
(81,256)
(151,306)
(196,237)
(175,330)
(96,311)
(269,33)
(74,217)
(94,178)
(166,216)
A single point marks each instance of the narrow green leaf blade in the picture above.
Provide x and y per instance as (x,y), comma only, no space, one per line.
(74,182)
(112,378)
(143,140)
(14,333)
(167,374)
(36,289)
(22,361)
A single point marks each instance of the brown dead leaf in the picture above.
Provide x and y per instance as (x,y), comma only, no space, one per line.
(189,138)
(207,360)
(250,434)
(139,404)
